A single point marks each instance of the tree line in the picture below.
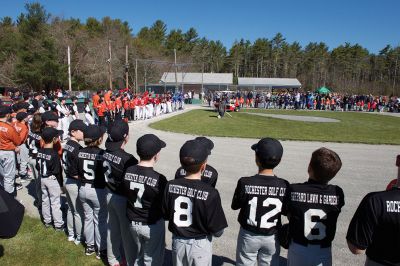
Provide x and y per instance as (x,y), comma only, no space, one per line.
(33,54)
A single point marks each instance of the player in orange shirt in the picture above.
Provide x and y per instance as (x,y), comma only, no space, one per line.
(9,142)
(21,126)
(102,110)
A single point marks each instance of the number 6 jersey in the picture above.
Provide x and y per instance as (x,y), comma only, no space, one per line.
(261,200)
(193,209)
(313,210)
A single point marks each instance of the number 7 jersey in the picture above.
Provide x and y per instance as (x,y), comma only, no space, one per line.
(261,200)
(313,211)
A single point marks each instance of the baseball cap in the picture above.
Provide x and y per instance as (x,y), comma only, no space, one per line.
(149,145)
(77,124)
(116,135)
(94,132)
(49,116)
(21,116)
(268,150)
(207,143)
(194,149)
(49,133)
(4,110)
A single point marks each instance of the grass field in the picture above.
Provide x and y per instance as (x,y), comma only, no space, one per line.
(36,245)
(352,128)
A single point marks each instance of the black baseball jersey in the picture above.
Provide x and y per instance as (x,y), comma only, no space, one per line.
(193,208)
(48,163)
(209,176)
(90,166)
(313,210)
(376,226)
(115,164)
(261,200)
(70,158)
(33,143)
(144,188)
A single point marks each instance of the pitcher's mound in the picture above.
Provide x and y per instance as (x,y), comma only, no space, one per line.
(300,118)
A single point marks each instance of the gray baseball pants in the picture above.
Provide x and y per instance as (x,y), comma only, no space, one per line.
(118,235)
(94,204)
(75,209)
(7,171)
(150,242)
(38,186)
(309,255)
(51,193)
(23,157)
(187,252)
(252,248)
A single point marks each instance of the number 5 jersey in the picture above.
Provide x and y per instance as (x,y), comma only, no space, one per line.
(313,210)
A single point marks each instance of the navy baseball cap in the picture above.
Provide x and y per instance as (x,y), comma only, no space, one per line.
(4,110)
(195,150)
(116,135)
(21,116)
(49,116)
(49,133)
(268,150)
(207,143)
(77,124)
(149,145)
(94,132)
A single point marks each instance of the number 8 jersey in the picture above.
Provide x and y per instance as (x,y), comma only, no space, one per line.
(261,200)
(313,210)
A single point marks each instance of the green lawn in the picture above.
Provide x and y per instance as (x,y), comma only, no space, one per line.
(36,245)
(353,127)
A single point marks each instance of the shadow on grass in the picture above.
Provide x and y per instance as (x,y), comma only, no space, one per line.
(1,251)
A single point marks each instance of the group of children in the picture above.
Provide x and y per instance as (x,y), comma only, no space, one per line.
(108,107)
(118,205)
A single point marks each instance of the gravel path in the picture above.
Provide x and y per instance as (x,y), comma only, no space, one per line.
(365,168)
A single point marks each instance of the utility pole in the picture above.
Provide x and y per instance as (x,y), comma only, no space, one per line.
(69,69)
(126,67)
(176,72)
(109,64)
(136,76)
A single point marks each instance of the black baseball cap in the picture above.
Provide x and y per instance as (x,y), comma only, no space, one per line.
(21,116)
(77,124)
(269,151)
(49,133)
(49,116)
(149,145)
(207,143)
(116,135)
(94,132)
(4,110)
(194,149)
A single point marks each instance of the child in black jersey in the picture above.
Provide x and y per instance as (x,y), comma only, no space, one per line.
(260,199)
(313,210)
(193,209)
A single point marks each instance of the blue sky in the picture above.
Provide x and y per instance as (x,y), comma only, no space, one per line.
(373,24)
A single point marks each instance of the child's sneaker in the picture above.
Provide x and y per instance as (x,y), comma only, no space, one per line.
(48,225)
(89,250)
(71,239)
(101,254)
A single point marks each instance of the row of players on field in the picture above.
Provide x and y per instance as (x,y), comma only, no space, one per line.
(123,202)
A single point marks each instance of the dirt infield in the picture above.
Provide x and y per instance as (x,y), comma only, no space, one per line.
(365,168)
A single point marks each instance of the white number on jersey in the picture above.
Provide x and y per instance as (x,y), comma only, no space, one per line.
(264,223)
(43,167)
(309,224)
(140,188)
(88,173)
(32,146)
(64,161)
(183,215)
(107,173)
